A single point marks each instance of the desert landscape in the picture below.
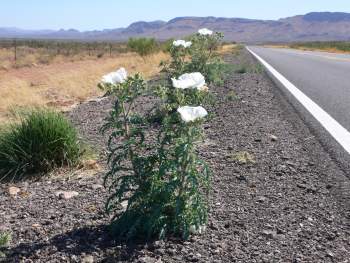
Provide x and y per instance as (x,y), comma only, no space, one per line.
(199,139)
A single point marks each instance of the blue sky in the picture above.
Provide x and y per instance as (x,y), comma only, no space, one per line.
(100,14)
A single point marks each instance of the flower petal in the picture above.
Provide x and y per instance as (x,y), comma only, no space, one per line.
(189,114)
(205,32)
(116,77)
(183,43)
(189,80)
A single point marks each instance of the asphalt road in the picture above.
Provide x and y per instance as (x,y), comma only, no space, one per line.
(323,77)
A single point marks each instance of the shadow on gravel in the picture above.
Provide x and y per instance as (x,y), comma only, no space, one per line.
(81,241)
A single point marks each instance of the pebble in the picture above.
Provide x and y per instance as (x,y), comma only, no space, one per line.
(87,259)
(13,191)
(66,194)
(272,234)
(273,137)
(96,186)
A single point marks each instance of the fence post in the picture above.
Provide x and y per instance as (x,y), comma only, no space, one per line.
(15,47)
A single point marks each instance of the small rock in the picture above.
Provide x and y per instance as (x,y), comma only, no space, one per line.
(241,177)
(270,234)
(66,194)
(262,199)
(273,137)
(36,225)
(330,254)
(96,186)
(87,259)
(13,191)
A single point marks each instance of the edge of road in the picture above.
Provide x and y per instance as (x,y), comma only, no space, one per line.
(334,138)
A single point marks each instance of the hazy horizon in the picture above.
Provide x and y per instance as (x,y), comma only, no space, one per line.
(108,14)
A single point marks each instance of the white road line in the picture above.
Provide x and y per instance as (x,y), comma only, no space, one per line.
(339,133)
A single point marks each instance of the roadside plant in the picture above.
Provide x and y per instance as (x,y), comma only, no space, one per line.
(196,55)
(203,55)
(41,141)
(186,176)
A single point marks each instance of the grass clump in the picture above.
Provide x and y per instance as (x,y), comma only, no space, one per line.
(244,157)
(42,140)
(5,239)
(232,96)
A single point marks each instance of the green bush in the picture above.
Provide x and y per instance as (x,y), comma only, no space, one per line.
(143,46)
(41,141)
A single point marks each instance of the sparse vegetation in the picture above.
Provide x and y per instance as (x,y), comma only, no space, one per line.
(61,86)
(244,157)
(5,239)
(143,46)
(333,46)
(41,141)
(27,53)
(232,96)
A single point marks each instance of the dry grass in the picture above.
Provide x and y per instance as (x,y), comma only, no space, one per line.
(227,48)
(62,85)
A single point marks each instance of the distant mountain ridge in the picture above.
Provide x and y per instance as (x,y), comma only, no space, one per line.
(310,27)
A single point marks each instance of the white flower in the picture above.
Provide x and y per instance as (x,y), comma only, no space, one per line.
(189,114)
(116,77)
(182,43)
(205,32)
(189,80)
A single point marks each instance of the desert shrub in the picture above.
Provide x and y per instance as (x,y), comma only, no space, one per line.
(167,45)
(41,141)
(143,46)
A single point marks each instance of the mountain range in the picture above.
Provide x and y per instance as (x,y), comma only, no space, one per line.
(320,26)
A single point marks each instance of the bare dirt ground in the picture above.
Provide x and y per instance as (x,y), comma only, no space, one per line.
(287,202)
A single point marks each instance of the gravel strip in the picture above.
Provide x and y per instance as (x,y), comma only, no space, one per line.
(277,196)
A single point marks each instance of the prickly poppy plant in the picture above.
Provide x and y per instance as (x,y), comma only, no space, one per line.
(158,184)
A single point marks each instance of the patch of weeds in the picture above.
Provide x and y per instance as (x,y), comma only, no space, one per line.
(237,50)
(232,96)
(5,240)
(244,157)
(257,68)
